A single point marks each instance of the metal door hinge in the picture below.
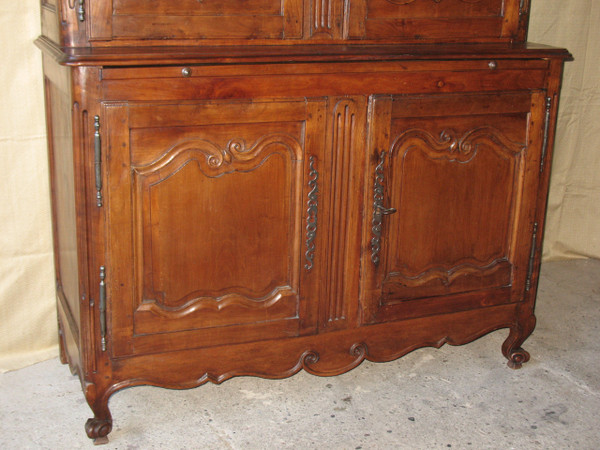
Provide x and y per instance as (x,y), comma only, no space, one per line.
(102,307)
(81,11)
(546,133)
(98,160)
(531,257)
(523,7)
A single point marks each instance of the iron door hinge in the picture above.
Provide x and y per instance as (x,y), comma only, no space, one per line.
(546,133)
(531,257)
(523,7)
(81,11)
(102,307)
(98,160)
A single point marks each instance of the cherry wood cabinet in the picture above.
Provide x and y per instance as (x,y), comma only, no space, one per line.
(261,187)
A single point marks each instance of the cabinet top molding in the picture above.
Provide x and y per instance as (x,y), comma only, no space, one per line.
(140,56)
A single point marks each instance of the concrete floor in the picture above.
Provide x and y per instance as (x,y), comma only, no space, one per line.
(456,397)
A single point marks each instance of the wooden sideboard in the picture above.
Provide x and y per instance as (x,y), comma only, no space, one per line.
(260,187)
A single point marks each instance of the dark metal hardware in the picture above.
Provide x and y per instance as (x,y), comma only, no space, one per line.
(98,160)
(385,211)
(311,214)
(546,133)
(531,258)
(102,307)
(81,11)
(378,210)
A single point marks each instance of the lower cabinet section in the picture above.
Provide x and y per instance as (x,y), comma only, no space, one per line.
(214,209)
(263,219)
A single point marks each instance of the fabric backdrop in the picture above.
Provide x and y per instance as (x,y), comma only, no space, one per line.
(27,304)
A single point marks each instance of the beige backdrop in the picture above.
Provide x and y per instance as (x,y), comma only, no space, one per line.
(27,311)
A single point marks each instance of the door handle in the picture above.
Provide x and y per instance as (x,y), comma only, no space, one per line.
(385,211)
(378,209)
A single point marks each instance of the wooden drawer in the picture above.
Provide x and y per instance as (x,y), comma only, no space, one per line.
(294,80)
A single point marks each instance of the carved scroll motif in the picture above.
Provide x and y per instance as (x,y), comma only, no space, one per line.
(452,147)
(448,275)
(217,161)
(310,360)
(311,214)
(216,304)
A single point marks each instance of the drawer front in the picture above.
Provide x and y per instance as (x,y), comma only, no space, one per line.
(299,80)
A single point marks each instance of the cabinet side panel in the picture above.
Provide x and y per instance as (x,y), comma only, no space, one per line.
(62,184)
(50,25)
(64,22)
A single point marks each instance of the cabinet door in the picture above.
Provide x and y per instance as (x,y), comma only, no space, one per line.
(194,19)
(453,192)
(446,20)
(211,220)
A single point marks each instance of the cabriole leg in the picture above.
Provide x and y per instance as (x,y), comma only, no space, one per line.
(98,427)
(512,345)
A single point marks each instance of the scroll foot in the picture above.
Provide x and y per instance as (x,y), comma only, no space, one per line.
(517,358)
(98,429)
(511,348)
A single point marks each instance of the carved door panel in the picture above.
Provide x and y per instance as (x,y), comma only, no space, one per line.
(212,218)
(453,192)
(419,20)
(193,19)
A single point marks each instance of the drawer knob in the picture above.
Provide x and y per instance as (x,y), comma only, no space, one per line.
(493,65)
(186,72)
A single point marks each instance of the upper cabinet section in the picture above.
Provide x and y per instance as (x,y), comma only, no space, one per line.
(82,23)
(438,20)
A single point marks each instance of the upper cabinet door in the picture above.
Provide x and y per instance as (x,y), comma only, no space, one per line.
(212,214)
(437,20)
(193,19)
(453,189)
